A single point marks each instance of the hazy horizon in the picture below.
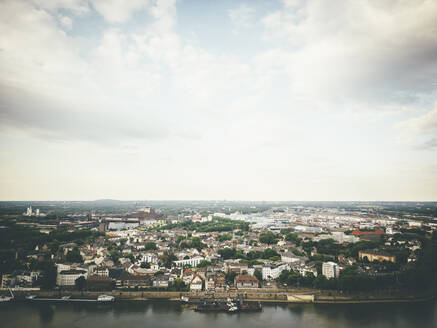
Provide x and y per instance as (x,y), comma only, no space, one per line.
(248,100)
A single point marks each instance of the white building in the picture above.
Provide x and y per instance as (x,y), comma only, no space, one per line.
(330,270)
(271,273)
(193,262)
(149,258)
(68,277)
(196,283)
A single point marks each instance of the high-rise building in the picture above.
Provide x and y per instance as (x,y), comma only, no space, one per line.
(330,270)
(29,211)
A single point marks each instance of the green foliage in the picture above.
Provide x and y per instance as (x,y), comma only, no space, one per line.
(297,252)
(15,236)
(177,285)
(217,224)
(223,237)
(131,257)
(74,256)
(268,238)
(197,243)
(114,255)
(293,238)
(231,253)
(203,264)
(145,265)
(180,238)
(150,246)
(80,283)
(230,278)
(48,277)
(352,249)
(269,253)
(258,274)
(327,246)
(167,260)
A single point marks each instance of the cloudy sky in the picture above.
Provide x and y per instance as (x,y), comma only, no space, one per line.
(237,100)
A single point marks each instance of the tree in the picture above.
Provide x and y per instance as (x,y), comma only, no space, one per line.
(196,243)
(203,264)
(80,283)
(267,238)
(168,259)
(293,238)
(257,273)
(223,237)
(114,255)
(145,265)
(269,253)
(178,285)
(74,256)
(230,278)
(48,279)
(150,246)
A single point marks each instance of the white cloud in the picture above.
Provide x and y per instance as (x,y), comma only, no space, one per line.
(242,16)
(118,11)
(360,49)
(421,131)
(66,21)
(312,105)
(76,6)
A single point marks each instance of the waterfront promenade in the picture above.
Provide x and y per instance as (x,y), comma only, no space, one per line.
(274,296)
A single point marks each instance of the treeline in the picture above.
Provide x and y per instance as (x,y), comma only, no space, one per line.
(26,238)
(420,276)
(217,224)
(16,242)
(251,257)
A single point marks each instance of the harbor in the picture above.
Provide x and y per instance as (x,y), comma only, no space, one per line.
(222,305)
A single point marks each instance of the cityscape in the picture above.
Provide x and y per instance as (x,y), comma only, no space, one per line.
(233,163)
(320,251)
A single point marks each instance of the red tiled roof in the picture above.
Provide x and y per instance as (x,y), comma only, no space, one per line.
(242,278)
(358,232)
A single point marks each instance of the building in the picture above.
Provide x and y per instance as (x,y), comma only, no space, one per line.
(330,270)
(101,271)
(273,272)
(7,281)
(246,282)
(236,267)
(99,283)
(126,280)
(192,262)
(368,235)
(150,258)
(210,283)
(68,277)
(161,281)
(373,255)
(196,283)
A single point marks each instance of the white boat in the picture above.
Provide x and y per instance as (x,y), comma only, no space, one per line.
(105,298)
(5,298)
(233,309)
(30,297)
(65,298)
(185,299)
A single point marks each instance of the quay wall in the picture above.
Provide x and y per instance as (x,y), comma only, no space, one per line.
(248,295)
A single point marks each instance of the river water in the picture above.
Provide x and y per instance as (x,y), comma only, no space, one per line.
(172,314)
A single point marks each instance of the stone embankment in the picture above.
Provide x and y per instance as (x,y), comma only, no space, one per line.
(304,296)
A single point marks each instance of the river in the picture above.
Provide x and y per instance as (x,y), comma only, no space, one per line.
(172,314)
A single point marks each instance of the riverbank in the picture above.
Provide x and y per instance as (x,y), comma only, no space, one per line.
(307,296)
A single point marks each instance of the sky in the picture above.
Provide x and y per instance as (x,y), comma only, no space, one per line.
(204,99)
